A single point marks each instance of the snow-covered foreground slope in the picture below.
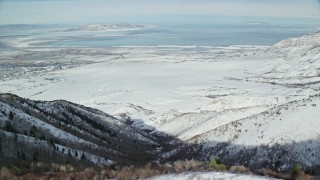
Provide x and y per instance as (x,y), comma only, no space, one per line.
(208,175)
(257,106)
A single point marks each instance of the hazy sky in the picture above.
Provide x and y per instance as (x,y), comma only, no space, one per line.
(64,11)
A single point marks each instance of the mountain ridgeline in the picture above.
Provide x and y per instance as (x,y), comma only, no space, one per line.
(61,132)
(64,132)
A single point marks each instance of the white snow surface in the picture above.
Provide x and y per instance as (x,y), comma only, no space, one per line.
(241,94)
(209,176)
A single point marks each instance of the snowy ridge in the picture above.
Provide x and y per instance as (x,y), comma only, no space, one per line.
(288,134)
(69,128)
(298,62)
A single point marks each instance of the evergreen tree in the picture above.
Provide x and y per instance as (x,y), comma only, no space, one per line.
(33,131)
(76,154)
(35,156)
(10,116)
(83,157)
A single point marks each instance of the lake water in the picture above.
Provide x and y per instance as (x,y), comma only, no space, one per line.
(182,23)
(193,34)
(180,33)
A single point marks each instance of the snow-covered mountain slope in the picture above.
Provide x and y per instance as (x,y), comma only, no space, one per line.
(61,128)
(244,104)
(297,63)
(274,124)
(280,137)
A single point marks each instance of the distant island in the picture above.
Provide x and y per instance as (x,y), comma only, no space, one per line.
(109,27)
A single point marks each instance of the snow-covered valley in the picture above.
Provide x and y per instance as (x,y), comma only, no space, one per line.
(251,105)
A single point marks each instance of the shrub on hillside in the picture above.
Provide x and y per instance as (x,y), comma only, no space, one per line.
(214,164)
